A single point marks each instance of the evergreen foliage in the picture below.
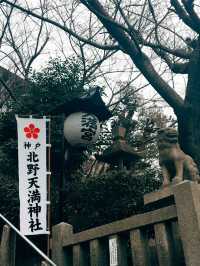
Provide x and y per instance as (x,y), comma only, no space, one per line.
(108,197)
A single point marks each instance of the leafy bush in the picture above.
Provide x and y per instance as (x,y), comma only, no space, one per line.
(9,199)
(106,198)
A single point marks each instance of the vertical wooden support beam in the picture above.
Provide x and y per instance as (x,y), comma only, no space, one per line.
(8,247)
(163,244)
(139,248)
(121,256)
(97,253)
(80,257)
(187,198)
(59,255)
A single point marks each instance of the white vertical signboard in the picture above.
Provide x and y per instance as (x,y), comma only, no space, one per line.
(113,251)
(32,175)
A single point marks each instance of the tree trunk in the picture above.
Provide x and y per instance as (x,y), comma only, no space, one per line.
(189,119)
(189,133)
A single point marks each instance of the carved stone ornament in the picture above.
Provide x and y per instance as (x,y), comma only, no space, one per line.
(175,164)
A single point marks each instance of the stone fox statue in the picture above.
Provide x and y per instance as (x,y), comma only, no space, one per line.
(175,164)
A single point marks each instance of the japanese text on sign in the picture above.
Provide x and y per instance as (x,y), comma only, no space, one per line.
(113,251)
(32,175)
(88,126)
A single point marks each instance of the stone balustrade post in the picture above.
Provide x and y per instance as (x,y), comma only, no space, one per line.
(60,256)
(187,199)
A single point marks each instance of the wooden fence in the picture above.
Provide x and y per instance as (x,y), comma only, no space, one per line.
(169,236)
(165,237)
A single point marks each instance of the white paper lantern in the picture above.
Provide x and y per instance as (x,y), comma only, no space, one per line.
(81,129)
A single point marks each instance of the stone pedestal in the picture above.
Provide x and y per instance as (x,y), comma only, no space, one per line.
(59,254)
(187,199)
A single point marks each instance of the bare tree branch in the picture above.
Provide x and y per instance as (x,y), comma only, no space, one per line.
(64,28)
(178,68)
(8,90)
(184,16)
(139,58)
(182,53)
(6,25)
(189,6)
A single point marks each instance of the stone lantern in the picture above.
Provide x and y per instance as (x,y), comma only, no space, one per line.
(120,153)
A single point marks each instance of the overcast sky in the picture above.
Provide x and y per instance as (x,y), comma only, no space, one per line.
(59,45)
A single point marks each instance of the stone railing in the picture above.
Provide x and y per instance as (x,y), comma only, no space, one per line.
(166,236)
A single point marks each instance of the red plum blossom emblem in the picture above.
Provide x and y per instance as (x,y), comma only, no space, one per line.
(31,131)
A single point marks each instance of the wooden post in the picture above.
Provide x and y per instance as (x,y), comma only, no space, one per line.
(139,248)
(121,256)
(97,253)
(8,247)
(163,244)
(60,256)
(80,257)
(187,198)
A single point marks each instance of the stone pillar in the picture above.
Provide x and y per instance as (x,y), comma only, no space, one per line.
(178,256)
(187,198)
(79,256)
(97,253)
(8,247)
(139,248)
(60,256)
(163,244)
